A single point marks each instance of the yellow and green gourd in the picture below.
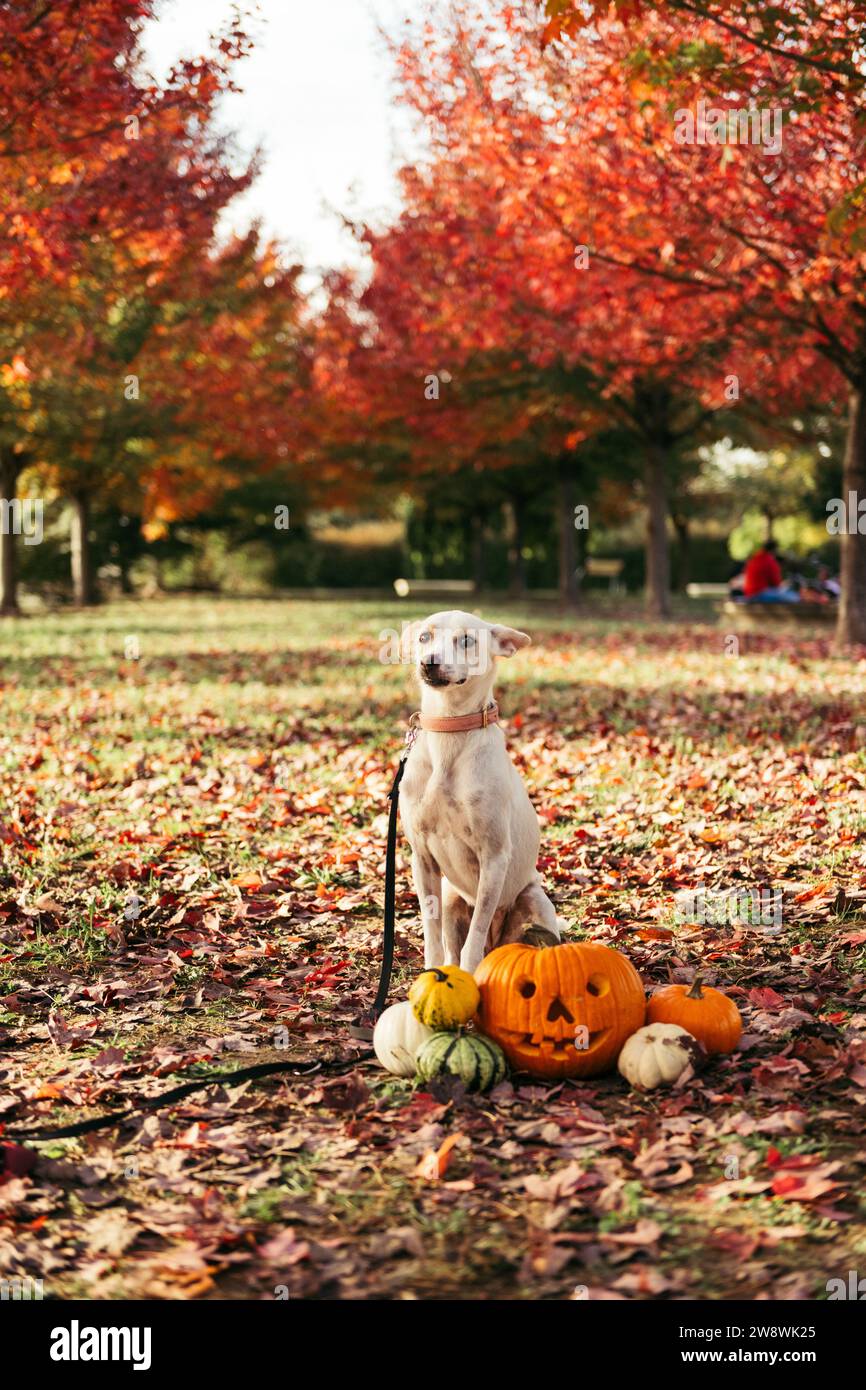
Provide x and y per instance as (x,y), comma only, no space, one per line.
(444,997)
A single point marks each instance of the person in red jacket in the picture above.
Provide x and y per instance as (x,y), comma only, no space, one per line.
(762,581)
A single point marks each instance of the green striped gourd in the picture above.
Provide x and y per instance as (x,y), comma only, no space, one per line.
(476,1060)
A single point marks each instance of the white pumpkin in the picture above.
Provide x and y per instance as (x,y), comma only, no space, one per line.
(397,1037)
(657,1055)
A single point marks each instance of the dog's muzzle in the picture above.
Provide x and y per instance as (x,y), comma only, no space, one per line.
(433,674)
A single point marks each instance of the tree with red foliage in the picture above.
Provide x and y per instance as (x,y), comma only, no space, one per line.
(89,143)
(499,251)
(778,234)
(182,372)
(814,46)
(112,188)
(708,266)
(412,401)
(229,380)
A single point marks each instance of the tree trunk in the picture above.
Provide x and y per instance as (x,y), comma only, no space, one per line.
(9,470)
(684,556)
(851,625)
(516,569)
(477,552)
(568,583)
(581,551)
(657,551)
(82,575)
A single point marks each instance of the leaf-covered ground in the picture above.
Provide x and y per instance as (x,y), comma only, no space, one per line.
(193,853)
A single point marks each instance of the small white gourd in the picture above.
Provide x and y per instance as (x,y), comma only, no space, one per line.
(397,1037)
(657,1055)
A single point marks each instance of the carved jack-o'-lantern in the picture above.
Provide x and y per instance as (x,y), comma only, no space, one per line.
(559,1010)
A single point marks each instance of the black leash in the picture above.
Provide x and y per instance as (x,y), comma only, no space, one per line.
(390,891)
(146,1103)
(363,1029)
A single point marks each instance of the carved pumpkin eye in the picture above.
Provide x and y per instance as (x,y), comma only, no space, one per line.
(526,988)
(598,985)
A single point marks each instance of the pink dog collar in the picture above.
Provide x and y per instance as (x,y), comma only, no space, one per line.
(457,723)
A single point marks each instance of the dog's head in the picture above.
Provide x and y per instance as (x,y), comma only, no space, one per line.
(459,648)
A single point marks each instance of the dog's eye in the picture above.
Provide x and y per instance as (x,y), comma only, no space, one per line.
(425,637)
(467,641)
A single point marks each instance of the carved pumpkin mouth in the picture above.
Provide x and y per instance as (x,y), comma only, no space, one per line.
(558,1046)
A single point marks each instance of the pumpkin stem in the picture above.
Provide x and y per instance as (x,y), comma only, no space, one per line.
(539,937)
(695,992)
(435,970)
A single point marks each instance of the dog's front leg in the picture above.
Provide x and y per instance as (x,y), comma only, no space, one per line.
(427,878)
(490,882)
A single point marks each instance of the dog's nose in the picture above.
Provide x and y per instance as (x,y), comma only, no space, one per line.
(430,663)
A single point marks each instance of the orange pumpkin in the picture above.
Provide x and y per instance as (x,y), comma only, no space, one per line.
(707,1014)
(559,1010)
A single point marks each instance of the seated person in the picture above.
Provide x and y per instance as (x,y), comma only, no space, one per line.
(763,578)
(827,583)
(736,580)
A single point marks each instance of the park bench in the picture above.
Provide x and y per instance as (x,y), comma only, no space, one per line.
(758,617)
(707,590)
(603,567)
(432,588)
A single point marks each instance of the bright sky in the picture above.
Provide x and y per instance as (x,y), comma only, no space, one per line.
(318,96)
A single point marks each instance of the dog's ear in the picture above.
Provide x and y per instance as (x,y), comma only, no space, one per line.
(507,640)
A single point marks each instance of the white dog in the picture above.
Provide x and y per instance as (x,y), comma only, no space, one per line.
(473,830)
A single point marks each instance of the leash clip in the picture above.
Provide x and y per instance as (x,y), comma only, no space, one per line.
(411,735)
